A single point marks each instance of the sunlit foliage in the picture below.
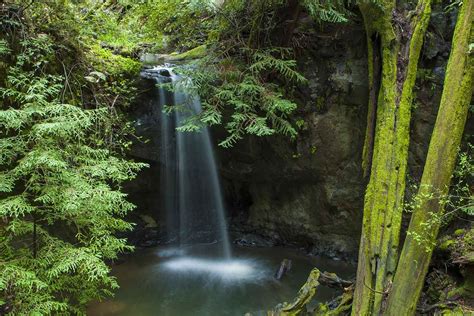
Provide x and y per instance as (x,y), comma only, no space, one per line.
(61,169)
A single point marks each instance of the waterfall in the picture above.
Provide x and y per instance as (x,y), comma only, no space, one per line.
(190,187)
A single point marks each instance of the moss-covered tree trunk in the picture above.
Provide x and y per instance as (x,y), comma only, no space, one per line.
(394,41)
(444,145)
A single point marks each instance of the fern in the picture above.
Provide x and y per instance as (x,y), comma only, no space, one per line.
(265,61)
(61,206)
(4,49)
(256,107)
(245,82)
(15,206)
(328,11)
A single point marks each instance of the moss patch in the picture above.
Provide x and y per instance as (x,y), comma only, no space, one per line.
(195,53)
(104,60)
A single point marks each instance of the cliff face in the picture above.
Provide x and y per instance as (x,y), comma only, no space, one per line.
(308,191)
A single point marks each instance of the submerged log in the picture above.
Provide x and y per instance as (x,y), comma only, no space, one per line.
(308,290)
(285,266)
(339,306)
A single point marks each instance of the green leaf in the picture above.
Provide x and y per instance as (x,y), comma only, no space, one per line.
(98,74)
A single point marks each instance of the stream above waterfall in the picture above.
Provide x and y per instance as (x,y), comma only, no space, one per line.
(191,281)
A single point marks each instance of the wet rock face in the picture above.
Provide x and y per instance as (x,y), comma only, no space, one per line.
(146,117)
(309,192)
(144,191)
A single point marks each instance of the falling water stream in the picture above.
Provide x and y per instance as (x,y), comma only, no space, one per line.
(189,183)
(197,273)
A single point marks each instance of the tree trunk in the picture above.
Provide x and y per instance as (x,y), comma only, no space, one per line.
(438,170)
(394,43)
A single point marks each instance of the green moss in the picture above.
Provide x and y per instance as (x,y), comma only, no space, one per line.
(447,244)
(443,149)
(195,53)
(460,245)
(458,311)
(105,61)
(459,232)
(384,196)
(382,206)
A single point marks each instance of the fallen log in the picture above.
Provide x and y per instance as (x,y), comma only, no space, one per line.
(304,296)
(342,303)
(307,292)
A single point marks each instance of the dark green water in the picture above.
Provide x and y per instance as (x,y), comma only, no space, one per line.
(161,282)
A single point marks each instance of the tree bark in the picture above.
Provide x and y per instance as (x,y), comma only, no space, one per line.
(400,40)
(440,162)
